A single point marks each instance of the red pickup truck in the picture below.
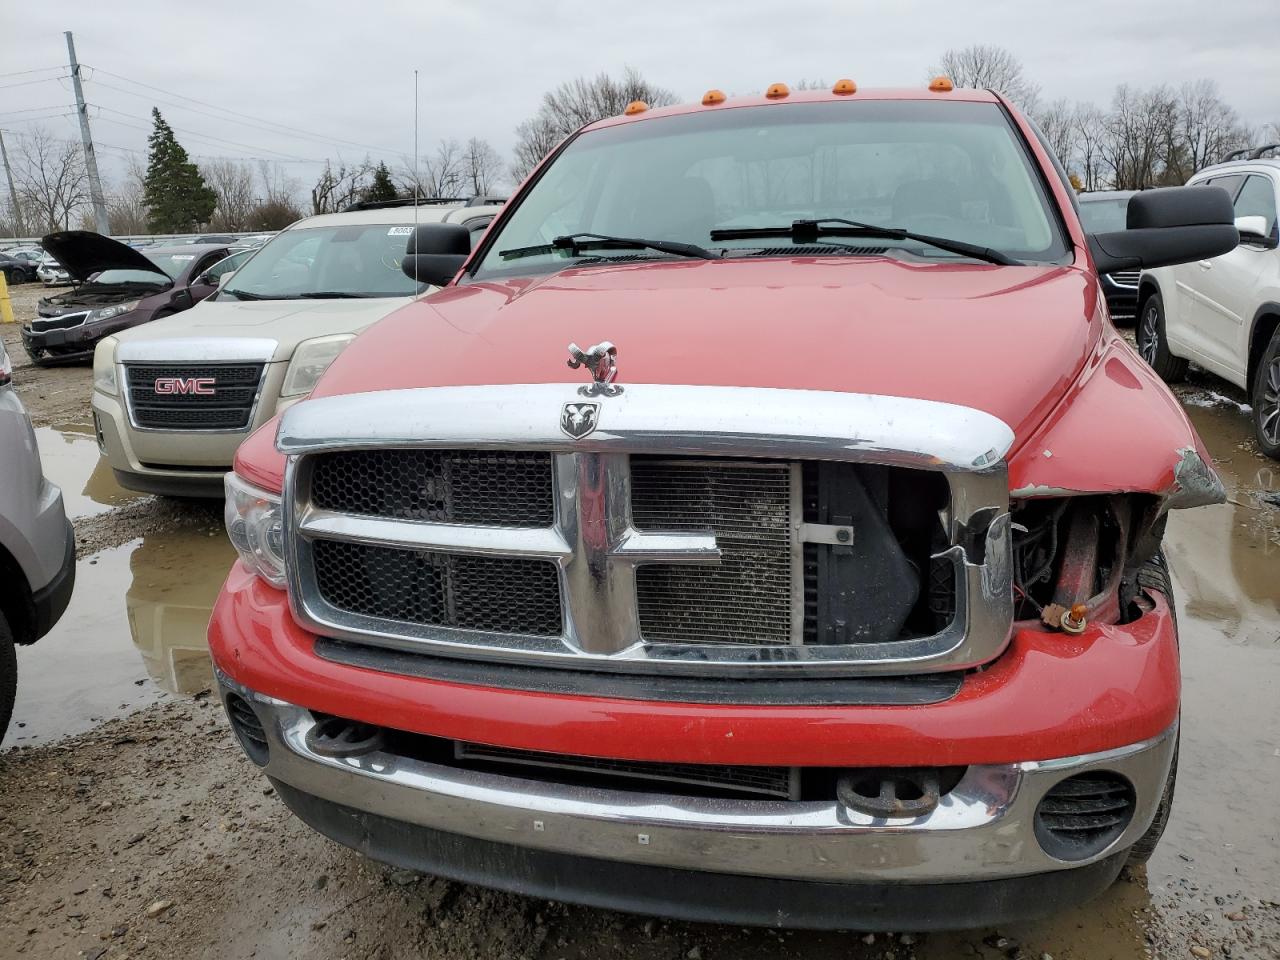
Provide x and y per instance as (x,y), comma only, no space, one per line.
(821,586)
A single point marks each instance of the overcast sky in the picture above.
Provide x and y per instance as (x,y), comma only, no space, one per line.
(343,72)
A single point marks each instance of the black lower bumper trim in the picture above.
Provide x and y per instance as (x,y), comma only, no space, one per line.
(200,487)
(697,896)
(51,601)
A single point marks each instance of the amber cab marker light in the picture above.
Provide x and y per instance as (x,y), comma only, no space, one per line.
(712,97)
(844,88)
(777,91)
(941,85)
(636,106)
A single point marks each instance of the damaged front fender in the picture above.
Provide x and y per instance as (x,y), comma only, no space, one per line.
(1117,430)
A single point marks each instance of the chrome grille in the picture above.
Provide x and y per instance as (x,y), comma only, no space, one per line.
(439,589)
(747,597)
(438,486)
(229,407)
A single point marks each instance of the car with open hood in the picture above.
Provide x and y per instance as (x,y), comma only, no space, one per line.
(762,524)
(173,399)
(116,287)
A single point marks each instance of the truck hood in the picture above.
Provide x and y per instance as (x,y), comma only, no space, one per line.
(1006,340)
(83,253)
(288,322)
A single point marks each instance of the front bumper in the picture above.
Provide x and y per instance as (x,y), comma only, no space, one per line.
(716,859)
(77,342)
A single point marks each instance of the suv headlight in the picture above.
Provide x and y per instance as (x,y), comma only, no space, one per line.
(104,365)
(106,313)
(255,524)
(310,360)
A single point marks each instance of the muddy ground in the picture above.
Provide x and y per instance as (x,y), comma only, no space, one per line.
(131,825)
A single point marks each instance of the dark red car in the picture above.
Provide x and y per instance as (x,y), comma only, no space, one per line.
(117,287)
(763,524)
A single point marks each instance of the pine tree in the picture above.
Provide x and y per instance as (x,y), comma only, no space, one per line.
(381,188)
(175,193)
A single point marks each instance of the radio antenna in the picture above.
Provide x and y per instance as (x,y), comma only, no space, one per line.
(415,149)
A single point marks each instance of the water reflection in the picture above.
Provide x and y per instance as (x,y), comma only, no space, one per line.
(176,580)
(69,454)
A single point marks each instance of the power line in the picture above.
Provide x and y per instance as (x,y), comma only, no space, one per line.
(27,83)
(23,73)
(193,134)
(323,138)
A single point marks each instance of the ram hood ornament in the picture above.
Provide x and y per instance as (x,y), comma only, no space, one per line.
(601,360)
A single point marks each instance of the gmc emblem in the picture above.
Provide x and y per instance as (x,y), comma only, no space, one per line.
(203,386)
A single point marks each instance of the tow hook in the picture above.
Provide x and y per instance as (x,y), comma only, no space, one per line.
(340,738)
(890,792)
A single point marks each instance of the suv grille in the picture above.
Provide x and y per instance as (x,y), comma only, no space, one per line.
(438,589)
(438,486)
(228,407)
(746,598)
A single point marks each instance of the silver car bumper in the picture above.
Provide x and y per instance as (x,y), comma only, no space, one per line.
(982,830)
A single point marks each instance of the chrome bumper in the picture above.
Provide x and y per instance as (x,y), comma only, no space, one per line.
(981,830)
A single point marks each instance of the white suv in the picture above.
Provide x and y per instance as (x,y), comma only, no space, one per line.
(1224,313)
(172,399)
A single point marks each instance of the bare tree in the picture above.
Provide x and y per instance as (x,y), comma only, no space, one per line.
(575,103)
(1090,127)
(232,182)
(339,187)
(277,186)
(126,210)
(481,165)
(1141,142)
(987,66)
(1057,121)
(443,173)
(1208,128)
(51,179)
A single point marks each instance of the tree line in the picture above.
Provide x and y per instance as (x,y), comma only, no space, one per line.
(1144,137)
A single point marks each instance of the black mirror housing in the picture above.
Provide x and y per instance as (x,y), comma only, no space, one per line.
(436,252)
(1167,226)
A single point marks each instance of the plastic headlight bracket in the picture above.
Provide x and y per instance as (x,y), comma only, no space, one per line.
(310,360)
(255,524)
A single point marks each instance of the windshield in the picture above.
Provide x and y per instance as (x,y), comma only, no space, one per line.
(171,263)
(348,260)
(949,170)
(1104,216)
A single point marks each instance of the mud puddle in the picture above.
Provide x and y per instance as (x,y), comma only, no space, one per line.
(69,453)
(134,631)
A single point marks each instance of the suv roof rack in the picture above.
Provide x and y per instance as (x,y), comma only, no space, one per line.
(400,202)
(486,201)
(1250,153)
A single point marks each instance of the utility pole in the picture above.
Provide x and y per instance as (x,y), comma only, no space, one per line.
(18,229)
(90,159)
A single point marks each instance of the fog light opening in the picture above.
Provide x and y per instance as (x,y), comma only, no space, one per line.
(247,728)
(1083,815)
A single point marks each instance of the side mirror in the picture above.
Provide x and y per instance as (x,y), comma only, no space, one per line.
(436,252)
(1167,226)
(1253,229)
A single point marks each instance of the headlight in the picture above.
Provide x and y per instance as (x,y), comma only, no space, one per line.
(310,360)
(106,313)
(104,365)
(255,524)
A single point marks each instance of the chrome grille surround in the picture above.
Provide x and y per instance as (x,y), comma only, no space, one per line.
(594,541)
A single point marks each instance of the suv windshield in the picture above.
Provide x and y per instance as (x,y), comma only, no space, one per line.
(950,170)
(347,260)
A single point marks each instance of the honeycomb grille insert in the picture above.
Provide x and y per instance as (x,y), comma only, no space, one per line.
(746,598)
(438,486)
(499,595)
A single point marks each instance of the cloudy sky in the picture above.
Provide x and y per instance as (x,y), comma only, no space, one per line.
(231,77)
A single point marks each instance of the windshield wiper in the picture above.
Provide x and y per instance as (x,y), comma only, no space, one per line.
(808,231)
(576,243)
(332,295)
(245,295)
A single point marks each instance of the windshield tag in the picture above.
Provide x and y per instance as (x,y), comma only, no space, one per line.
(400,231)
(183,256)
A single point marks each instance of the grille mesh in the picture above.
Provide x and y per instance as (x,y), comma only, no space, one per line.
(229,407)
(746,598)
(437,589)
(1128,277)
(439,486)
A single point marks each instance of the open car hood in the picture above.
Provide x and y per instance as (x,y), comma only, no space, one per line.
(83,253)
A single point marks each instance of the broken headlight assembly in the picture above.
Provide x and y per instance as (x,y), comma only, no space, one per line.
(1077,559)
(255,524)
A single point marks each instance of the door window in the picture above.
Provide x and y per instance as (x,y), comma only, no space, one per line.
(1230,183)
(1258,199)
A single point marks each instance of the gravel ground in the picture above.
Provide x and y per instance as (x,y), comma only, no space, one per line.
(151,835)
